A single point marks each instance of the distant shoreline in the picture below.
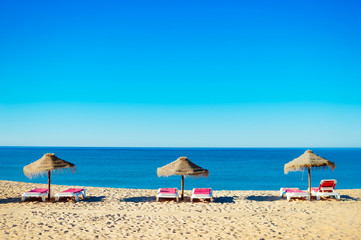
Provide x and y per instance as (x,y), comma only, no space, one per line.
(223,148)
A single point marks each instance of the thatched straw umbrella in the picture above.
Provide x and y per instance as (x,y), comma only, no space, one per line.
(47,164)
(308,160)
(182,166)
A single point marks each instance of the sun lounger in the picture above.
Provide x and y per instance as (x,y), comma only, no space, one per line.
(202,193)
(326,189)
(36,192)
(167,193)
(294,193)
(71,192)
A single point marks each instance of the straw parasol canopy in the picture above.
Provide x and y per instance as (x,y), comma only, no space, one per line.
(49,163)
(307,160)
(182,166)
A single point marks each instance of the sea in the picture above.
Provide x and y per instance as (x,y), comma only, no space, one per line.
(229,168)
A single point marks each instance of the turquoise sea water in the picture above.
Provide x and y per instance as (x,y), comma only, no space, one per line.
(230,168)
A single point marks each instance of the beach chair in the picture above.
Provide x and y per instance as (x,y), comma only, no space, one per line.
(202,193)
(71,192)
(294,193)
(326,189)
(168,193)
(36,193)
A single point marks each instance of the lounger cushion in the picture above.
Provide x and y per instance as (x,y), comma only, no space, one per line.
(294,190)
(168,190)
(289,189)
(204,191)
(73,190)
(38,190)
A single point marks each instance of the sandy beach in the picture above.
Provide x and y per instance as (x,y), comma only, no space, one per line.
(114,213)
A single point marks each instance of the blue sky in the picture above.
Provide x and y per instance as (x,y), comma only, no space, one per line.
(180,73)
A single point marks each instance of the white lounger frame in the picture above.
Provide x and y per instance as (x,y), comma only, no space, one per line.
(203,196)
(35,194)
(326,194)
(70,194)
(290,195)
(167,195)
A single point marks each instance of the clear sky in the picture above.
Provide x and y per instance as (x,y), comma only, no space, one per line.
(180,73)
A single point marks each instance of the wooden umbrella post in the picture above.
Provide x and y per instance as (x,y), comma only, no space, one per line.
(49,185)
(182,187)
(309,180)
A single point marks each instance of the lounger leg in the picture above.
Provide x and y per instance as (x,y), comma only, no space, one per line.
(308,198)
(212,199)
(288,198)
(318,197)
(177,199)
(76,198)
(84,193)
(56,199)
(338,197)
(156,199)
(23,199)
(43,198)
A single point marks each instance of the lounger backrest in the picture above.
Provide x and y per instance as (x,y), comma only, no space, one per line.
(327,185)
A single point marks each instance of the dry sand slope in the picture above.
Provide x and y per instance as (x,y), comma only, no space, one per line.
(111,213)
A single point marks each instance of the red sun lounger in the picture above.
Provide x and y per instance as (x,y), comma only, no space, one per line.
(168,193)
(36,192)
(71,192)
(326,189)
(294,193)
(204,193)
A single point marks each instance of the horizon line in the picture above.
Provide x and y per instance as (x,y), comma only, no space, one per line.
(179,147)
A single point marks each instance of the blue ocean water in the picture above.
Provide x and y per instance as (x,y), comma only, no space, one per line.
(230,168)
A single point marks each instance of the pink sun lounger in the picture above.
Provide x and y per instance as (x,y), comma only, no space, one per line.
(168,193)
(202,193)
(326,189)
(71,192)
(36,192)
(294,193)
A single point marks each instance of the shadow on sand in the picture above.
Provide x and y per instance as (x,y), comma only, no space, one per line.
(347,197)
(9,200)
(224,200)
(93,199)
(138,199)
(263,198)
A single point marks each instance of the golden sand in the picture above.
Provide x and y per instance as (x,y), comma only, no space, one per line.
(114,213)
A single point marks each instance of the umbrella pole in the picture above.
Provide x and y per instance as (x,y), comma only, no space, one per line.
(309,180)
(182,187)
(49,185)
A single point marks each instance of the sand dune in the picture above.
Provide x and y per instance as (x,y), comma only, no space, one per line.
(111,213)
